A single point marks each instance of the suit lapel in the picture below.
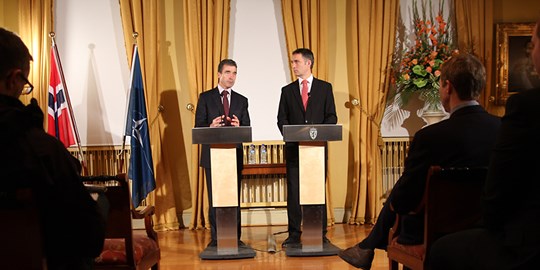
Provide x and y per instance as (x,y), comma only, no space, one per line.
(296,94)
(216,99)
(234,106)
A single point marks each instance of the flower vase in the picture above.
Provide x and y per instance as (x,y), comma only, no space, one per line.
(432,112)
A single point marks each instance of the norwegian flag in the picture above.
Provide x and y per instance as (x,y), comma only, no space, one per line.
(59,120)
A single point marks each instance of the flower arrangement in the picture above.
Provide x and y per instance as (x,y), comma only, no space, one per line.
(419,67)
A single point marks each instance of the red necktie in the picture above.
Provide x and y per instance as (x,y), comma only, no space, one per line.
(304,93)
(225,94)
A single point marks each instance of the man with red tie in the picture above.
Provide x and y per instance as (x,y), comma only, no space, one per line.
(307,100)
(217,107)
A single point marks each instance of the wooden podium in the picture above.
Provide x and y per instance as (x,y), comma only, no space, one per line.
(223,142)
(312,141)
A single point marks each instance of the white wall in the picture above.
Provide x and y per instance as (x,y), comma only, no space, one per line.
(257,44)
(91,47)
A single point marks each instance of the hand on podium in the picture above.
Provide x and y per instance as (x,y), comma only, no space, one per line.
(221,121)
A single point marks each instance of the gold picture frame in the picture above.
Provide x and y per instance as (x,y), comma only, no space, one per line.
(515,70)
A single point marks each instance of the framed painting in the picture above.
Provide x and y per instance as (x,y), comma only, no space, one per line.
(515,69)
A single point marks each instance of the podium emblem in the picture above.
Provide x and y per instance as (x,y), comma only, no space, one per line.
(313,133)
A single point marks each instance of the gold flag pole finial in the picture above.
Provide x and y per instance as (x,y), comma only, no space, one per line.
(52,35)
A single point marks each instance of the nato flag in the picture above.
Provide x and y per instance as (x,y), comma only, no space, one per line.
(141,168)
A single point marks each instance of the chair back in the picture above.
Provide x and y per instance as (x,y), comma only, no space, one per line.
(453,200)
(21,233)
(124,249)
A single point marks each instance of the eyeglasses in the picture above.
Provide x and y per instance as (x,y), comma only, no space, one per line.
(28,87)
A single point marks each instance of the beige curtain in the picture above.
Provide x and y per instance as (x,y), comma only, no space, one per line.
(206,28)
(142,17)
(371,32)
(474,22)
(306,26)
(35,23)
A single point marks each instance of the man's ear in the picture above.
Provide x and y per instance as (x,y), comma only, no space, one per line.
(450,87)
(11,79)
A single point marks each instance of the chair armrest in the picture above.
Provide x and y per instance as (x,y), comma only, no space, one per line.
(143,212)
(146,212)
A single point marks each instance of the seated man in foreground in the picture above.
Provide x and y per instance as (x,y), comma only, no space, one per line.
(510,238)
(73,228)
(465,139)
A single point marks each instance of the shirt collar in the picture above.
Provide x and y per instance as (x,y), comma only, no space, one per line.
(221,89)
(309,79)
(464,104)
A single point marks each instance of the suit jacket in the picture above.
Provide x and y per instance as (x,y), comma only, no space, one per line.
(511,201)
(467,138)
(321,109)
(209,107)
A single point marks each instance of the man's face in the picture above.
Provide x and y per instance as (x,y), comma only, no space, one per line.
(301,66)
(227,76)
(536,49)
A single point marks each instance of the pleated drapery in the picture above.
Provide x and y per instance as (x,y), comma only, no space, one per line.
(371,39)
(35,24)
(474,23)
(206,29)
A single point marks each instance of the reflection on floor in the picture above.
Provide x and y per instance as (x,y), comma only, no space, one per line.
(180,250)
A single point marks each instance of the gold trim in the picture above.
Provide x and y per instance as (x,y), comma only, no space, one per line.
(504,31)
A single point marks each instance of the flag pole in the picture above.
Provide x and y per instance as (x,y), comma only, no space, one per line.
(121,155)
(82,159)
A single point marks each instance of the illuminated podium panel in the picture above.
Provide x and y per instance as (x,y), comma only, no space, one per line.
(312,140)
(223,142)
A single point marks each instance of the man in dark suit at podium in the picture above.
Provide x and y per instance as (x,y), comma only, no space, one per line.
(218,107)
(307,100)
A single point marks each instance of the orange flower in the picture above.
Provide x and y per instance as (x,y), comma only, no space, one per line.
(419,67)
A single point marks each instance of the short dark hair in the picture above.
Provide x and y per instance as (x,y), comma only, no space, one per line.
(226,62)
(13,53)
(307,54)
(466,73)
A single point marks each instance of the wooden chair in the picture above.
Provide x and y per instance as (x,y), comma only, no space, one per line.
(21,236)
(451,202)
(125,248)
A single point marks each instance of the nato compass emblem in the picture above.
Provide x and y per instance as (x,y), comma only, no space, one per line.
(313,133)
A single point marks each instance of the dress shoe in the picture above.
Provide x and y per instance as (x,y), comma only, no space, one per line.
(358,257)
(291,241)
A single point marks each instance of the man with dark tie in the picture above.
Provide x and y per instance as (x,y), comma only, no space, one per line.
(217,107)
(307,100)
